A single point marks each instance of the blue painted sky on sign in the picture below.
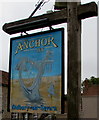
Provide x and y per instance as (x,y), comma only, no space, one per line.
(35,56)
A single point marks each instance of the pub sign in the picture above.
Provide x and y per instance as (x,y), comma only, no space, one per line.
(36,72)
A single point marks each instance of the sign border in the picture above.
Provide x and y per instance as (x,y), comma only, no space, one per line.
(62,62)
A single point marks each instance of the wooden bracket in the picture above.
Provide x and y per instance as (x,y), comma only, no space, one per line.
(58,17)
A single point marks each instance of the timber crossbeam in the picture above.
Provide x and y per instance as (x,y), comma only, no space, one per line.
(45,20)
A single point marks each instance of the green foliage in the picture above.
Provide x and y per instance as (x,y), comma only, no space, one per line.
(93,81)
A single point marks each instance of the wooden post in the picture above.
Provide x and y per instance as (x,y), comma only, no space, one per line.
(74,61)
(73,15)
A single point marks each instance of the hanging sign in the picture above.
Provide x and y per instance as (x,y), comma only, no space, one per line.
(36,72)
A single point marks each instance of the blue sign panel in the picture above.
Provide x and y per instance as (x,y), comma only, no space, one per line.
(36,72)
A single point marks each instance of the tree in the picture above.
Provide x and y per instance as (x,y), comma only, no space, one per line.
(91,81)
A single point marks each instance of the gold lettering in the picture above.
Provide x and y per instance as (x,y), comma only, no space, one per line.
(19,47)
(48,42)
(31,44)
(44,42)
(26,44)
(51,40)
(37,43)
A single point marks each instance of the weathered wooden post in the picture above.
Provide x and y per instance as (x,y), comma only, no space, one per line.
(74,57)
(73,13)
(74,61)
(74,53)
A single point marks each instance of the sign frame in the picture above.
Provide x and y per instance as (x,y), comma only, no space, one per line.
(62,65)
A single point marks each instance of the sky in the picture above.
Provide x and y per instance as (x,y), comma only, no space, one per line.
(21,9)
(32,59)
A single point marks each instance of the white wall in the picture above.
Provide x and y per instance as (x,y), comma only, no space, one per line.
(89,107)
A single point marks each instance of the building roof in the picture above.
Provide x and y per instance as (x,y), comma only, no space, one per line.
(90,89)
(4,77)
